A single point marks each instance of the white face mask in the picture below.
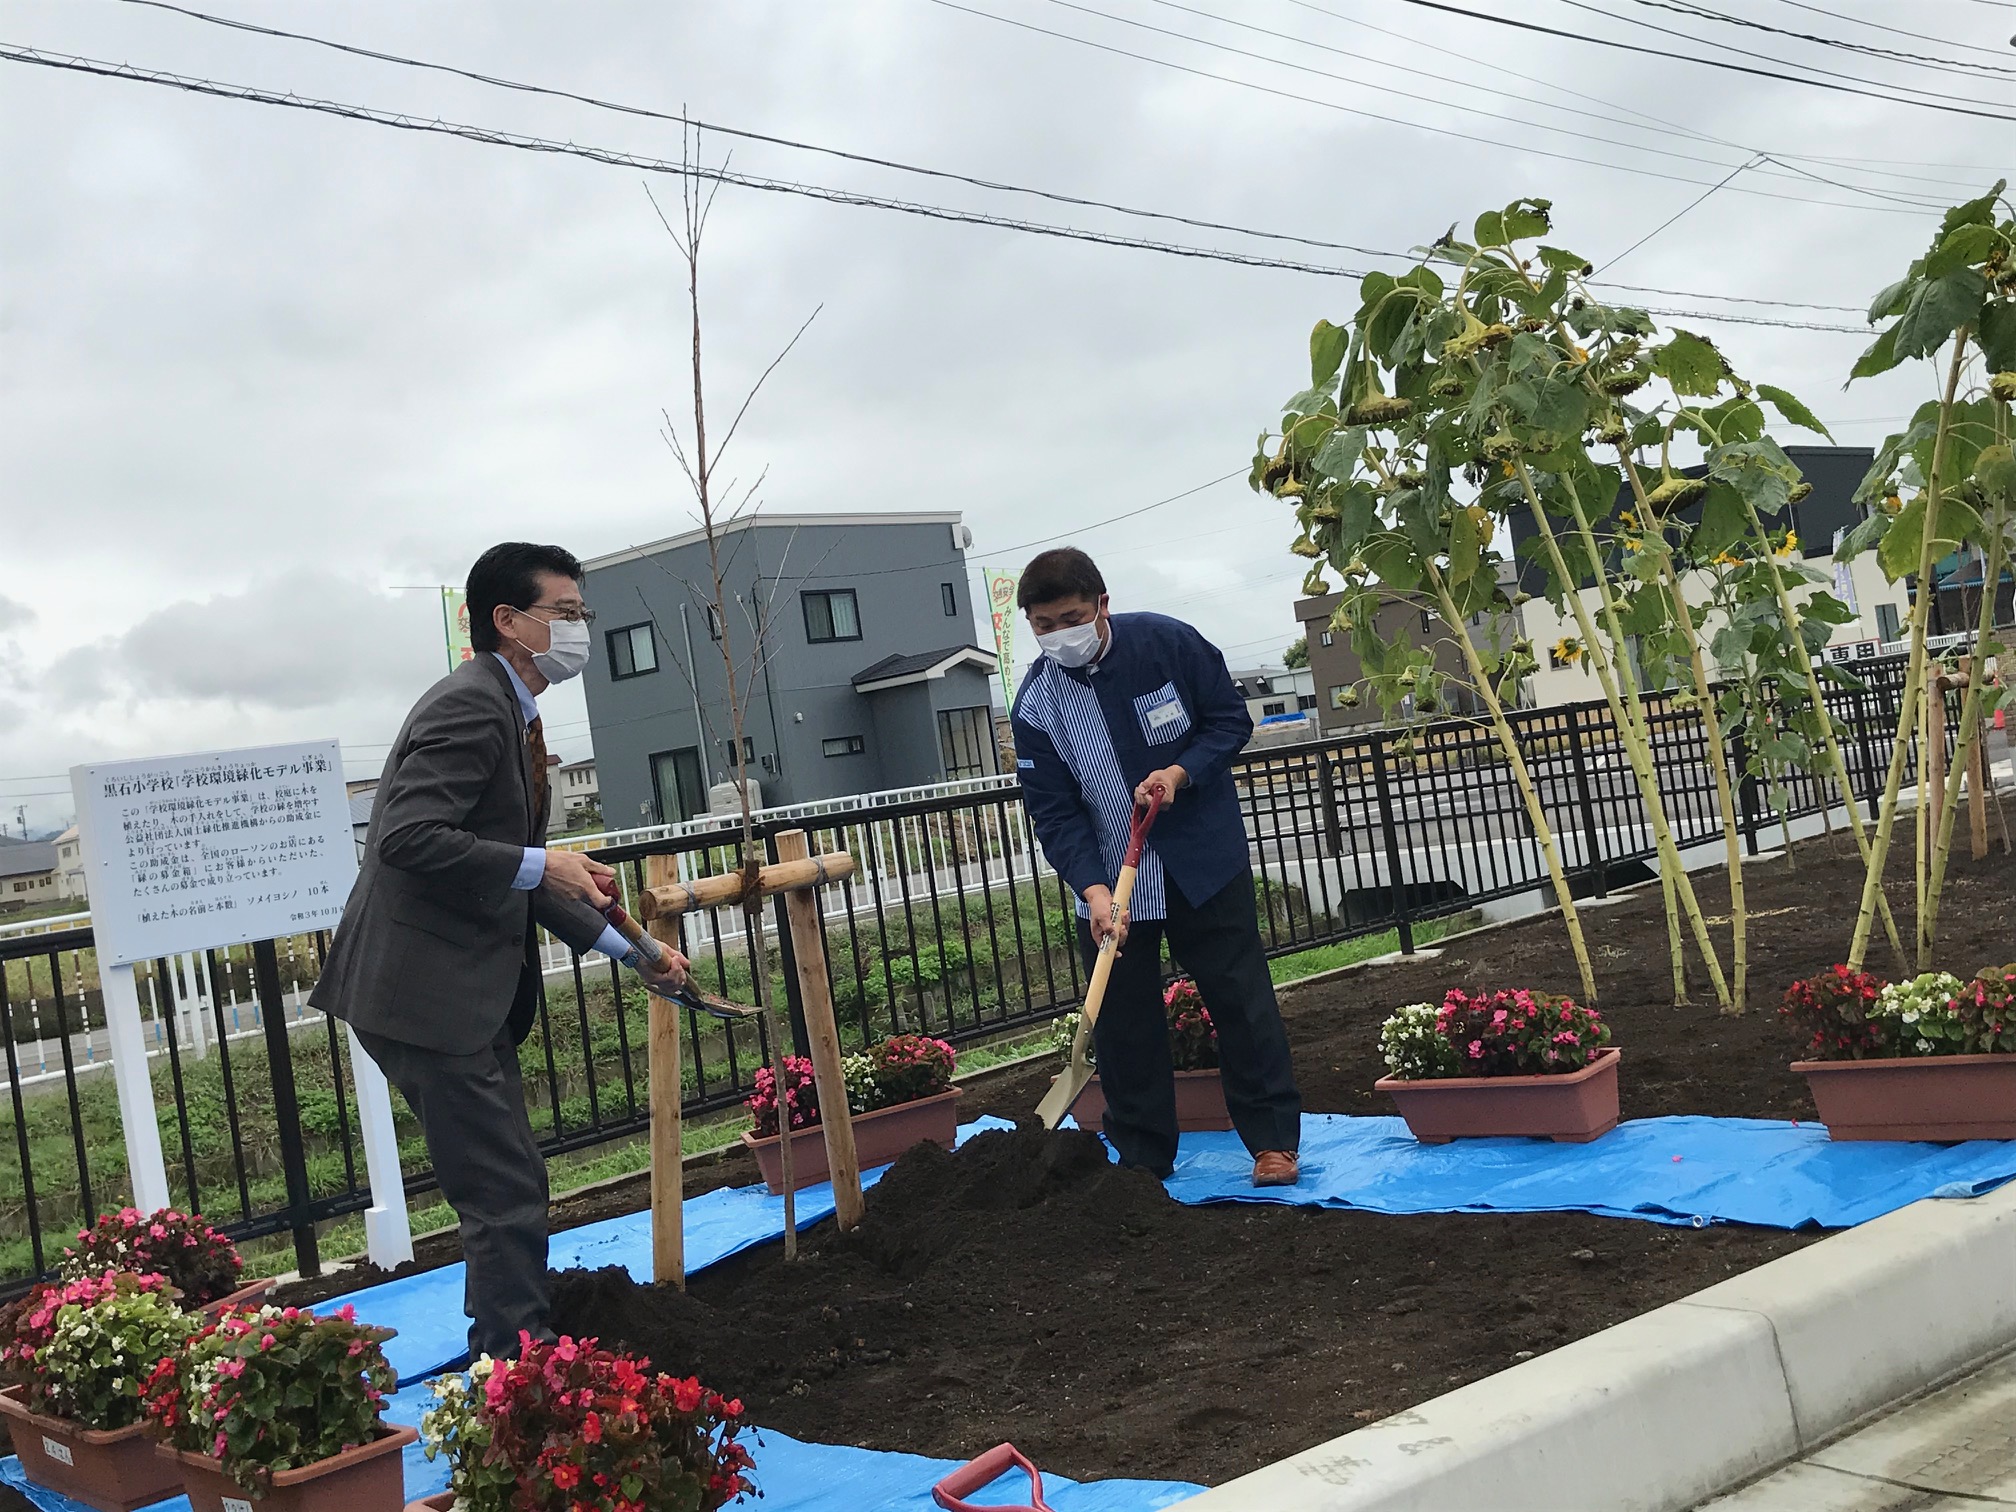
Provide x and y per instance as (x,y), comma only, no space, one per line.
(567,654)
(1073,646)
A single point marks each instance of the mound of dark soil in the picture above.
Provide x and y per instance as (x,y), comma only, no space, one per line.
(1026,1289)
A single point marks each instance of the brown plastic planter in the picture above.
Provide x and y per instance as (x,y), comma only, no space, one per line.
(1200,1103)
(441,1501)
(252,1294)
(369,1478)
(114,1472)
(879,1137)
(1934,1097)
(1572,1108)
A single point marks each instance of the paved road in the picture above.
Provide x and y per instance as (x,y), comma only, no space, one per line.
(1952,1451)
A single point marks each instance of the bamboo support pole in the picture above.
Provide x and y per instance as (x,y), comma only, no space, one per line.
(675,897)
(1509,743)
(668,1195)
(815,995)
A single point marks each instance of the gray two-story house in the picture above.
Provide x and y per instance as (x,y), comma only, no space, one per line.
(853,634)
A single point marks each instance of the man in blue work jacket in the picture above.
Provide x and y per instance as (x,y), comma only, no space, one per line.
(1117,705)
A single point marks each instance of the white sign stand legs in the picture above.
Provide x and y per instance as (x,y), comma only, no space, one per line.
(388,1235)
(144,1166)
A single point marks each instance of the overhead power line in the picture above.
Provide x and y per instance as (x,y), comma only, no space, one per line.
(488,136)
(1696,14)
(1948,108)
(740,133)
(1943,65)
(1370,115)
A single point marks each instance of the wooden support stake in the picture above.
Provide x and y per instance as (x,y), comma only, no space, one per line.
(675,897)
(668,1193)
(808,946)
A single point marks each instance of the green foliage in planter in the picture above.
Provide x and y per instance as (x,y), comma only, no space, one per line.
(276,1389)
(82,1350)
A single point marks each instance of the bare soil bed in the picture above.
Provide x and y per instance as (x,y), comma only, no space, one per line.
(1024,1289)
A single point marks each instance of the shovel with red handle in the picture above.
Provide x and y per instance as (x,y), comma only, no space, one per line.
(1064,1091)
(976,1475)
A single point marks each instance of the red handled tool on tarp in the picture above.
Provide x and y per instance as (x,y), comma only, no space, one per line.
(1064,1091)
(977,1475)
(686,995)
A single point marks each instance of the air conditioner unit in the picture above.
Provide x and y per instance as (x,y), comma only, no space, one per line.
(722,798)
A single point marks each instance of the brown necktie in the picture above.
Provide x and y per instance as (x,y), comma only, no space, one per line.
(542,792)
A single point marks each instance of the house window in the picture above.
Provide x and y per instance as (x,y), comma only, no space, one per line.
(949,597)
(713,622)
(966,742)
(830,615)
(1279,707)
(1328,638)
(632,652)
(1340,697)
(748,751)
(843,745)
(1887,627)
(1427,623)
(1305,700)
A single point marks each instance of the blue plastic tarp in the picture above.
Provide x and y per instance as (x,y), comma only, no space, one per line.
(427,1308)
(1693,1171)
(793,1477)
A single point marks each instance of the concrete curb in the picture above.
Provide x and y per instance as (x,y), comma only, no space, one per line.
(1664,1411)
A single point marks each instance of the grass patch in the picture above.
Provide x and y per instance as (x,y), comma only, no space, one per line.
(1350,952)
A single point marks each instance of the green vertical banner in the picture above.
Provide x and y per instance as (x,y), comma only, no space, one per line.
(455,626)
(1001,603)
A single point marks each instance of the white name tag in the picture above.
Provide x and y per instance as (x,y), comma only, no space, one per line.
(57,1452)
(1163,713)
(233,1504)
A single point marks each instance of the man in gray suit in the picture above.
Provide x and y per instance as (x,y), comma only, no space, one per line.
(435,964)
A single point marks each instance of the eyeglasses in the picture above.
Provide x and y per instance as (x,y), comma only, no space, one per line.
(579,614)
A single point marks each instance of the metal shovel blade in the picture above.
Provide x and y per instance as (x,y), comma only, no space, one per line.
(1078,1071)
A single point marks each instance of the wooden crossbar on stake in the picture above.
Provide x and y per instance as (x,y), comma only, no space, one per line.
(674,897)
(664,899)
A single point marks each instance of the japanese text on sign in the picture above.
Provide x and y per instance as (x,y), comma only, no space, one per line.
(191,852)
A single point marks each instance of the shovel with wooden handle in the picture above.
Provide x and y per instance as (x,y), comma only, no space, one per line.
(1064,1091)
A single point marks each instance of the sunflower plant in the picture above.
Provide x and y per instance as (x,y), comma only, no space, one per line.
(1944,486)
(1489,382)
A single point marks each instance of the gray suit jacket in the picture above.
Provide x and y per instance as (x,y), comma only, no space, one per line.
(435,947)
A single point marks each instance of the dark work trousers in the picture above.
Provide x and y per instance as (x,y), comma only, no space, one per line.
(1218,944)
(479,1137)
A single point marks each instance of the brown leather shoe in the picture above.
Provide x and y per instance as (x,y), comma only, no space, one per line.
(1276,1168)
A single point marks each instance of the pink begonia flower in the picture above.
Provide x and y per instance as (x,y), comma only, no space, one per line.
(267,1341)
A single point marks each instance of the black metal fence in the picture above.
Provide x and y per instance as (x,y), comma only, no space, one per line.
(950,926)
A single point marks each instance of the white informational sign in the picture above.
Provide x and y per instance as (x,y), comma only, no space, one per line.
(1849,651)
(191,852)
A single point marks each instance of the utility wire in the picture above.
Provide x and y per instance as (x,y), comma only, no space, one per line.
(1879,85)
(488,136)
(880,162)
(1680,212)
(494,137)
(1658,52)
(1321,73)
(1443,131)
(1923,60)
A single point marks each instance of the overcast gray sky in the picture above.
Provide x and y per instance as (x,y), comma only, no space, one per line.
(258,368)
